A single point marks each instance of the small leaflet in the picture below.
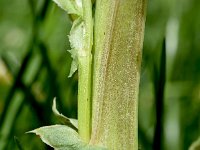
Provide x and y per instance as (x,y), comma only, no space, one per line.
(76,43)
(76,33)
(73,123)
(60,137)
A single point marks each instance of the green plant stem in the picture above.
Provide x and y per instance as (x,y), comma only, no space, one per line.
(85,61)
(84,102)
(118,40)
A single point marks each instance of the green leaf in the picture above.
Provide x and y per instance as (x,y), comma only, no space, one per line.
(73,123)
(76,43)
(76,33)
(71,6)
(62,137)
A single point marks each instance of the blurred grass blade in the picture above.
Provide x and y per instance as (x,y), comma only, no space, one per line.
(11,115)
(19,146)
(159,85)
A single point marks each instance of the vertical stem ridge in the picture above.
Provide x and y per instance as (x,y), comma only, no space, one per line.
(84,89)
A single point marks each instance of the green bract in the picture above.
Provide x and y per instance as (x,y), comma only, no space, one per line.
(73,123)
(76,42)
(60,137)
(63,137)
(76,33)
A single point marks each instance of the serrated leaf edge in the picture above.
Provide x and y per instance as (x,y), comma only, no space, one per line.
(76,39)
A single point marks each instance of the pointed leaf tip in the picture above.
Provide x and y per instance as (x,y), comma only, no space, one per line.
(71,6)
(72,123)
(74,67)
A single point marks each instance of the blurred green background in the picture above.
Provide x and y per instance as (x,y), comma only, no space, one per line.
(34,65)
